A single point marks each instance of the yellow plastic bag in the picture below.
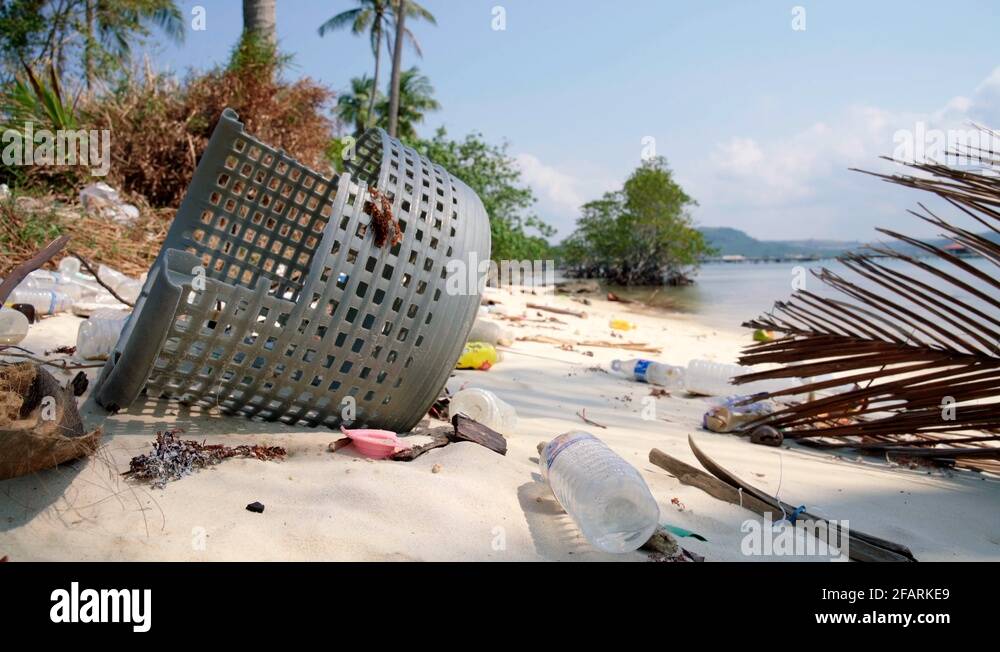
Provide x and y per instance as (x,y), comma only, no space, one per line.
(478,355)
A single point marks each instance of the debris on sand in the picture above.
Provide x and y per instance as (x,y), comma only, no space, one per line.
(383,223)
(173,458)
(40,426)
(256,507)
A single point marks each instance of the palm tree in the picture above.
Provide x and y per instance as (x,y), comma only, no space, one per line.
(376,18)
(259,18)
(401,10)
(416,97)
(354,107)
(370,16)
(108,26)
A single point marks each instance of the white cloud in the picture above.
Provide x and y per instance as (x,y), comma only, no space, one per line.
(560,192)
(797,185)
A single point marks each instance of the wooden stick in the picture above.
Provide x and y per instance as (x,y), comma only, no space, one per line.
(86,264)
(583,415)
(711,485)
(559,311)
(630,346)
(19,273)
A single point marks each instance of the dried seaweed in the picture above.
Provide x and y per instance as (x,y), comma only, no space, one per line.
(173,458)
(384,224)
(923,356)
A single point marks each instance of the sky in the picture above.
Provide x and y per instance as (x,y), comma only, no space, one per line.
(760,107)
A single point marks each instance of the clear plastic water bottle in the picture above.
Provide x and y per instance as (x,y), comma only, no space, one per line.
(46,302)
(604,494)
(714,379)
(648,371)
(127,287)
(97,335)
(13,326)
(484,406)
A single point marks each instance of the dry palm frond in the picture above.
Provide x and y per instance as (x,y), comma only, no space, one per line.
(917,336)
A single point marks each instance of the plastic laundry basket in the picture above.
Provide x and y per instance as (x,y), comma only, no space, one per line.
(269,298)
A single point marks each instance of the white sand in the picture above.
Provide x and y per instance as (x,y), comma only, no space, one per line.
(480,506)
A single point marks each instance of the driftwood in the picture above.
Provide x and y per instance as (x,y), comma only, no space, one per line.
(462,429)
(558,341)
(439,437)
(467,429)
(559,311)
(863,547)
(40,426)
(19,273)
(711,485)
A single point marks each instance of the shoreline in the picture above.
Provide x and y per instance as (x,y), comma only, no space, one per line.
(322,505)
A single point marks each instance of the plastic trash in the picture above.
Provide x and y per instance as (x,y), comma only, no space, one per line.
(70,274)
(761,335)
(648,371)
(45,302)
(622,325)
(729,416)
(13,326)
(377,444)
(129,288)
(98,335)
(490,332)
(484,406)
(604,494)
(101,199)
(713,379)
(477,355)
(326,308)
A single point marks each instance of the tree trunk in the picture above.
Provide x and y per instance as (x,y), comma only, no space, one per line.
(397,61)
(378,64)
(259,18)
(88,46)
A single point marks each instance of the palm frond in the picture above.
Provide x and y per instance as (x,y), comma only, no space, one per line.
(916,336)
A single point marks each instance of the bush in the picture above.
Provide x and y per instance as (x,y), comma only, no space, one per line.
(159,126)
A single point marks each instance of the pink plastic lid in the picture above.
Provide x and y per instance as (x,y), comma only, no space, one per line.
(377,444)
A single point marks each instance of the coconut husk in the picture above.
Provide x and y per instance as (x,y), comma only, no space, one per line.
(40,426)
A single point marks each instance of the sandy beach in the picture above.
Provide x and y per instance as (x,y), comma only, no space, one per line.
(478,506)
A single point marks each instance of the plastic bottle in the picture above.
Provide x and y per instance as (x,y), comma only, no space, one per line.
(477,355)
(484,406)
(129,288)
(729,416)
(69,272)
(648,371)
(713,379)
(604,494)
(490,332)
(97,336)
(13,326)
(46,302)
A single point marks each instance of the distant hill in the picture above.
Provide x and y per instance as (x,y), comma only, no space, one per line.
(730,242)
(733,242)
